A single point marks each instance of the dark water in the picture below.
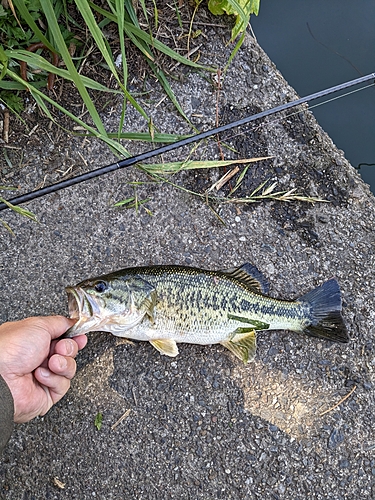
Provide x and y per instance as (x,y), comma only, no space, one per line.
(320,44)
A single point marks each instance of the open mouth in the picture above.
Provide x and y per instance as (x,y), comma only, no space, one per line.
(82,308)
(79,304)
(94,315)
(74,303)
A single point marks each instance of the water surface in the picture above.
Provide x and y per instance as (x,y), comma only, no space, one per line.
(320,44)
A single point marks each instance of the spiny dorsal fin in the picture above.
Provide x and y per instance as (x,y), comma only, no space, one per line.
(250,276)
(165,346)
(242,345)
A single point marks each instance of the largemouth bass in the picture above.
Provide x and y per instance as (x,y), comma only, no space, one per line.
(166,305)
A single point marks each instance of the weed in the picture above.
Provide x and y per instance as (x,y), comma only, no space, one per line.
(19,210)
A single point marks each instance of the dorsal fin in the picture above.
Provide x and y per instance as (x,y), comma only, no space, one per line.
(250,276)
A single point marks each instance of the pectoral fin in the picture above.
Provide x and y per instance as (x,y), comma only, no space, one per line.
(166,347)
(148,305)
(143,296)
(243,345)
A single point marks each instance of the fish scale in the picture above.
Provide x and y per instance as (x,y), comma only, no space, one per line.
(220,296)
(166,305)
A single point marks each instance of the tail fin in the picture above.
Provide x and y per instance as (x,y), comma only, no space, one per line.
(325,307)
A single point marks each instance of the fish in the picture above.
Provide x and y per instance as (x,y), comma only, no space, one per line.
(171,304)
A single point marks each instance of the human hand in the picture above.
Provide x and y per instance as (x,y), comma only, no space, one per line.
(36,367)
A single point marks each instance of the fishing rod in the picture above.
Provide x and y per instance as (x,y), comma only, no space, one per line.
(127,162)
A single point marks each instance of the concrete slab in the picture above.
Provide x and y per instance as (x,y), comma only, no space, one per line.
(203,425)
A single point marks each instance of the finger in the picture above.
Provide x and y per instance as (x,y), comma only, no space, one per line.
(64,366)
(81,341)
(66,347)
(56,386)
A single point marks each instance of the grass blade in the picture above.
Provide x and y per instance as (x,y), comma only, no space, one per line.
(146,137)
(86,12)
(19,210)
(167,89)
(138,32)
(164,48)
(120,9)
(115,146)
(21,6)
(38,62)
(177,166)
(60,43)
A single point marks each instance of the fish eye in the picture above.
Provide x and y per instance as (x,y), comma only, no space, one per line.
(100,286)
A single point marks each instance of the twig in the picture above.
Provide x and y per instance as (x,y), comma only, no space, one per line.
(6,126)
(341,401)
(223,180)
(58,483)
(135,399)
(187,55)
(126,414)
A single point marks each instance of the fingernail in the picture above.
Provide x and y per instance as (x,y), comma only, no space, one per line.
(62,362)
(44,372)
(69,347)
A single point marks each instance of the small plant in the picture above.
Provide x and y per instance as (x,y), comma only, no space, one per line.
(19,210)
(240,9)
(98,421)
(134,201)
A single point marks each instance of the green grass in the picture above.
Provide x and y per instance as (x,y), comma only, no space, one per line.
(19,210)
(20,27)
(27,22)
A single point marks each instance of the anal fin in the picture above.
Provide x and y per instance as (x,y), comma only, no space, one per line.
(165,346)
(243,345)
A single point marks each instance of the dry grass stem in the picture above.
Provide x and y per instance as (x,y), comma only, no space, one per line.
(123,417)
(223,180)
(340,402)
(6,126)
(58,483)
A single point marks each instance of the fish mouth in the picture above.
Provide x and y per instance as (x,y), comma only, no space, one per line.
(85,309)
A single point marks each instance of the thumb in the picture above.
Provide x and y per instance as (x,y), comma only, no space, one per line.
(55,325)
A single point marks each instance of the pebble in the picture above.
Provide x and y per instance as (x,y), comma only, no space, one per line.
(343,464)
(273,351)
(281,488)
(268,248)
(335,439)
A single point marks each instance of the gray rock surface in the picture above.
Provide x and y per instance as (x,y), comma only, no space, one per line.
(202,425)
